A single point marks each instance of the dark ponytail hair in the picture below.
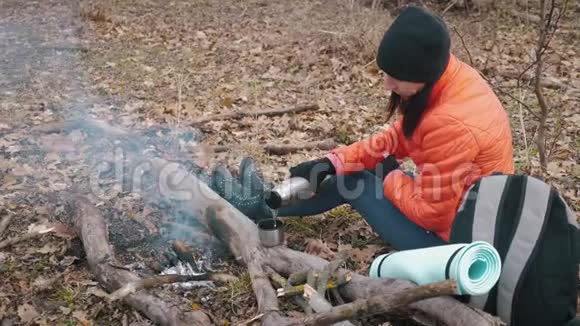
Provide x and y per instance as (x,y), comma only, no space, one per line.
(412,110)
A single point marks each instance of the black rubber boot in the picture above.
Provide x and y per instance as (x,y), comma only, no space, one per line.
(250,202)
(250,176)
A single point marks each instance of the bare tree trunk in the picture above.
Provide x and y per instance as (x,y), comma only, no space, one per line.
(541,137)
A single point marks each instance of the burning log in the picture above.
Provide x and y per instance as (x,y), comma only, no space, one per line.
(183,252)
(241,236)
(182,231)
(91,228)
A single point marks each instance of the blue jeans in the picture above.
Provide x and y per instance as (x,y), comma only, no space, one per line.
(364,192)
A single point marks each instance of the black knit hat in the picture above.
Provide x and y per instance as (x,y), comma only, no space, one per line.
(415,47)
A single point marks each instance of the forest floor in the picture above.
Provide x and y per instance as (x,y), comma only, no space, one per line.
(152,67)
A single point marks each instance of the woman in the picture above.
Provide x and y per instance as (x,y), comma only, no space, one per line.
(450,124)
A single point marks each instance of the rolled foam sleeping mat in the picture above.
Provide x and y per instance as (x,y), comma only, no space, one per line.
(475,267)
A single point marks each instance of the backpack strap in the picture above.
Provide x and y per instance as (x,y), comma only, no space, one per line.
(489,199)
(535,208)
(574,225)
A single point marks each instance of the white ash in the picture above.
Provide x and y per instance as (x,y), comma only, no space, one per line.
(186,269)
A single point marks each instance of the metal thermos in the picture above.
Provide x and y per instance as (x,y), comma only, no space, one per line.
(289,191)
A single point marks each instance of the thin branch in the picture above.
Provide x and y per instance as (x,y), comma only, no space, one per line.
(557,135)
(281,282)
(319,303)
(511,96)
(241,114)
(464,45)
(282,149)
(524,129)
(489,81)
(380,304)
(5,222)
(14,240)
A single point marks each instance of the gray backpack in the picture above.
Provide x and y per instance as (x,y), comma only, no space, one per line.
(537,237)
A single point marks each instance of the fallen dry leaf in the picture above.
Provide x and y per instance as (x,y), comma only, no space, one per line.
(80,315)
(27,313)
(65,310)
(365,255)
(22,170)
(318,248)
(57,143)
(62,230)
(48,249)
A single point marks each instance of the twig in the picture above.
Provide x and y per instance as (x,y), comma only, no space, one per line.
(524,130)
(119,267)
(283,283)
(5,222)
(319,304)
(327,272)
(299,289)
(336,294)
(557,135)
(380,304)
(370,63)
(14,240)
(464,45)
(541,140)
(298,278)
(534,114)
(489,81)
(274,149)
(449,6)
(544,38)
(249,321)
(278,279)
(241,114)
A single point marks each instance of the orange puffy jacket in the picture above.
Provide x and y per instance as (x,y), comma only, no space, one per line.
(464,134)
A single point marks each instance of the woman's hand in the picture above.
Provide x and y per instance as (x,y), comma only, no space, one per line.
(314,171)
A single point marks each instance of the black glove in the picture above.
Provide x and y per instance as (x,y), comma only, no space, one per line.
(314,171)
(384,167)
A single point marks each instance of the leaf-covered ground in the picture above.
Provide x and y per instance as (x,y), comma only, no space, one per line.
(152,67)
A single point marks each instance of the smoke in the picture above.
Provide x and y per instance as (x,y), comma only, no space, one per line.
(43,66)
